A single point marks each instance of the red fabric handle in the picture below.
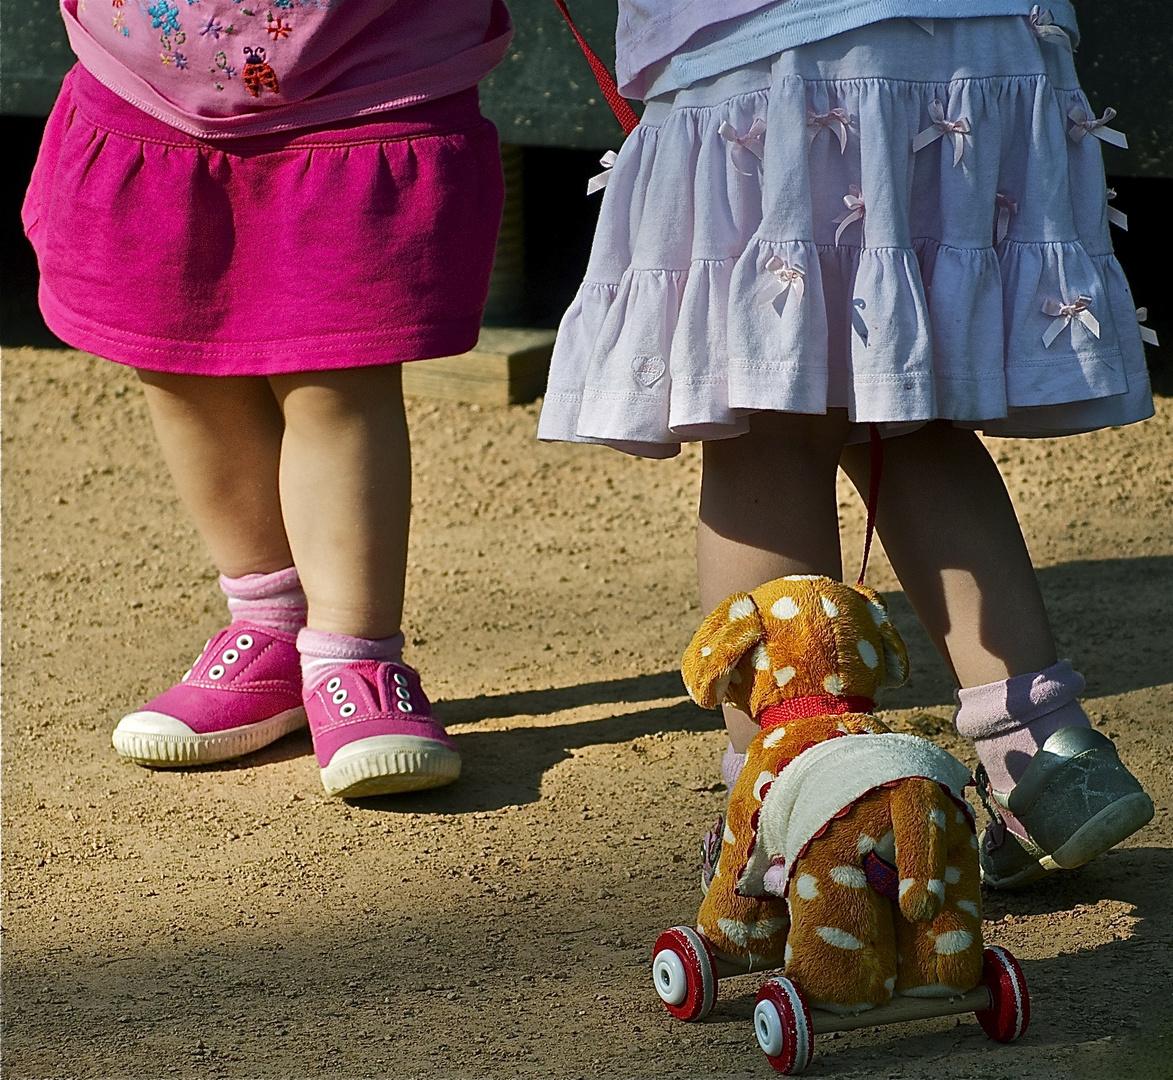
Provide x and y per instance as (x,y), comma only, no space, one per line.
(624,113)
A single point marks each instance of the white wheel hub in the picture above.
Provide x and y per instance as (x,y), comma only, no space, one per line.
(767,1026)
(669,976)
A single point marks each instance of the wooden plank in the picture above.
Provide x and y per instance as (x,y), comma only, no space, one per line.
(900,1010)
(507,367)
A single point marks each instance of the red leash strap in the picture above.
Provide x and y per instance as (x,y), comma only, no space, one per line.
(877,467)
(624,113)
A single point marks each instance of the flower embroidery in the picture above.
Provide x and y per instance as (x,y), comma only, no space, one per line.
(278,27)
(214,28)
(180,61)
(222,67)
(164,16)
(120,23)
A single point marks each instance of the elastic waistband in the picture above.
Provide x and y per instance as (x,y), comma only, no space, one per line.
(110,112)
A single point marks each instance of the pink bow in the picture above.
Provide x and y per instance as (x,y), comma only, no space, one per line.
(786,277)
(855,211)
(1078,311)
(1007,207)
(1147,334)
(1042,22)
(746,147)
(1116,217)
(955,129)
(837,120)
(600,181)
(1082,124)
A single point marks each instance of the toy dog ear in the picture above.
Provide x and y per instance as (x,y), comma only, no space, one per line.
(726,635)
(895,654)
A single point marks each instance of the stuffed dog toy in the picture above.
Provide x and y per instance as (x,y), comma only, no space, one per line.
(849,854)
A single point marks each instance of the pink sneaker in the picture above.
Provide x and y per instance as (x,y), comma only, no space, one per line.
(374,732)
(242,692)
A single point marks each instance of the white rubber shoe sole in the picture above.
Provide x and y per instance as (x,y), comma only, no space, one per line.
(161,741)
(388,764)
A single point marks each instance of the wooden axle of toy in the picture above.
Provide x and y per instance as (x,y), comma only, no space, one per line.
(899,1010)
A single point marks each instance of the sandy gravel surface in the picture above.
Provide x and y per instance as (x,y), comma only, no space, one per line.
(234,922)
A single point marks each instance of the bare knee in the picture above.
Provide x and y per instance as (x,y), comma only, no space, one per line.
(336,401)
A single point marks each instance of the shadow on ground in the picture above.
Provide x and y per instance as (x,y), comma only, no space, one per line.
(1106,613)
(408,987)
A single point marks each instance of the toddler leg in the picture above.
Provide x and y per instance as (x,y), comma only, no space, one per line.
(950,531)
(768,509)
(1056,789)
(346,498)
(221,438)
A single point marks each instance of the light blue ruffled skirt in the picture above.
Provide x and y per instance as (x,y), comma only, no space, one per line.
(729,274)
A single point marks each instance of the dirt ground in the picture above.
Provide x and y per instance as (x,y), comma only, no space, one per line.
(232,921)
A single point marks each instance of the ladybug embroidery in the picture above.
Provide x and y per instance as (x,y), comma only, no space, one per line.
(257,74)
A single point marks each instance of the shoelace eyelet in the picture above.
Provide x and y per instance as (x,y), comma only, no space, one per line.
(404,706)
(230,656)
(245,641)
(333,684)
(216,672)
(349,709)
(340,696)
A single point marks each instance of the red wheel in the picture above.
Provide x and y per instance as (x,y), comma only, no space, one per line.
(1009,1013)
(782,1023)
(684,973)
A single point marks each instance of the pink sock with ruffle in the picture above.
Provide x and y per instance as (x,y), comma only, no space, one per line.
(731,765)
(321,652)
(1009,720)
(274,600)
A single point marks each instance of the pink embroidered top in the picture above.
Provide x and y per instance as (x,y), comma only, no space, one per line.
(222,68)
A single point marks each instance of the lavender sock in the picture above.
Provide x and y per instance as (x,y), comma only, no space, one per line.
(274,600)
(1008,721)
(322,652)
(731,765)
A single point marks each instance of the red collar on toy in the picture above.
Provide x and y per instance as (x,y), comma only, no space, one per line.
(817,705)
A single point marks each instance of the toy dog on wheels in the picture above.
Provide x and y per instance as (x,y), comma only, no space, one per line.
(848,854)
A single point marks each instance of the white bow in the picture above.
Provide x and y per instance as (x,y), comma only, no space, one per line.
(597,183)
(748,149)
(1042,22)
(955,129)
(837,120)
(1064,314)
(1082,124)
(1007,207)
(786,277)
(855,211)
(1147,334)
(1116,217)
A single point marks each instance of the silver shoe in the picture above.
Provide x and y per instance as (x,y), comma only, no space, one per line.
(1075,801)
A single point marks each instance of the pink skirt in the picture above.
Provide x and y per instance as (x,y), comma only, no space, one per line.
(358,243)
